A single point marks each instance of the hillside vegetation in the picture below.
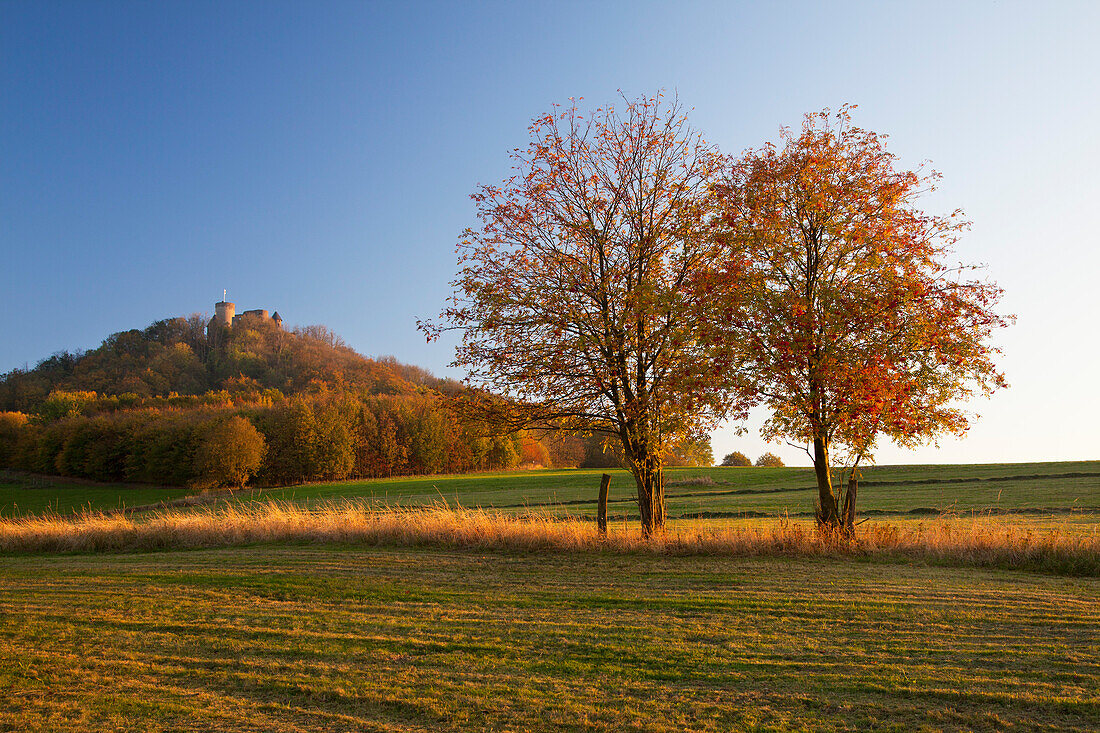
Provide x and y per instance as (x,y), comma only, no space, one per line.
(170,405)
(176,357)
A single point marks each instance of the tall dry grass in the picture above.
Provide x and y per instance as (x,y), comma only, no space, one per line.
(944,541)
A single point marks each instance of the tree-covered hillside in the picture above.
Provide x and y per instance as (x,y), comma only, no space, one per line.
(176,356)
(174,404)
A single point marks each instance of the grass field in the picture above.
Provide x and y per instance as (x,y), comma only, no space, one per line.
(315,634)
(369,639)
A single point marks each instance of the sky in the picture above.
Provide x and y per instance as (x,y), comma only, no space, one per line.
(317,158)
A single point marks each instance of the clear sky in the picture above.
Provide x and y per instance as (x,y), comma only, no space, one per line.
(316,158)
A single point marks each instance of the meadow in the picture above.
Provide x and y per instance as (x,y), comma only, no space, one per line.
(970,601)
(359,638)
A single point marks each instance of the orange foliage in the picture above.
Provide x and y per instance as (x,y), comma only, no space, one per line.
(836,295)
(533,453)
(571,294)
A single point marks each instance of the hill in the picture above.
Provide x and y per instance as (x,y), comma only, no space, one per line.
(178,356)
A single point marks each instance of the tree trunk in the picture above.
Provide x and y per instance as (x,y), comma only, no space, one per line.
(659,500)
(601,512)
(650,478)
(827,513)
(850,504)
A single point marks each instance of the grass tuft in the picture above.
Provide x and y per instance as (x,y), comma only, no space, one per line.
(693,481)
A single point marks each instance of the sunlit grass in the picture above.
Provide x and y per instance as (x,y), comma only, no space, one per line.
(1068,523)
(335,610)
(946,540)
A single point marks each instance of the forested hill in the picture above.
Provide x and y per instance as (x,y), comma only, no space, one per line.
(175,355)
(173,405)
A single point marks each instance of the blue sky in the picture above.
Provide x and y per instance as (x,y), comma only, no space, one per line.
(316,158)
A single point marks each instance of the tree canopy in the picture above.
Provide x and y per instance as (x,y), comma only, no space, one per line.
(231,452)
(573,296)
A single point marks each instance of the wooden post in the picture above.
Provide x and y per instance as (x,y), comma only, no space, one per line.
(601,512)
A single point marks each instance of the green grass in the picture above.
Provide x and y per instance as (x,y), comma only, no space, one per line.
(368,639)
(893,489)
(20,496)
(885,488)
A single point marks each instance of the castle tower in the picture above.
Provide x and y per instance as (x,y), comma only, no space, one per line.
(223,313)
(278,319)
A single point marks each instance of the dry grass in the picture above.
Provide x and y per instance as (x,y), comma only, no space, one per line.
(949,541)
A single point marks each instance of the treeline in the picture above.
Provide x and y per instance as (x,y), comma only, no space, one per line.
(297,439)
(302,438)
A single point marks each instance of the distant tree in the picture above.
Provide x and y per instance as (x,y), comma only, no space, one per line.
(61,404)
(837,298)
(769,460)
(566,451)
(602,451)
(497,452)
(532,452)
(695,452)
(333,443)
(12,425)
(572,296)
(736,459)
(231,452)
(94,448)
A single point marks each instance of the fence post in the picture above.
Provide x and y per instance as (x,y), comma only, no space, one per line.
(601,512)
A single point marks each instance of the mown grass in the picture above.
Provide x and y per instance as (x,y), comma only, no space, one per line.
(327,611)
(335,638)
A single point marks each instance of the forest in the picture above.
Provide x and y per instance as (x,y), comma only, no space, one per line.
(173,404)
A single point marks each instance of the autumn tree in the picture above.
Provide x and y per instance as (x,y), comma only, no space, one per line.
(696,452)
(531,451)
(572,297)
(736,459)
(838,297)
(230,453)
(12,425)
(769,460)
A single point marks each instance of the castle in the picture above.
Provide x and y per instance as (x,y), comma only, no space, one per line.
(225,316)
